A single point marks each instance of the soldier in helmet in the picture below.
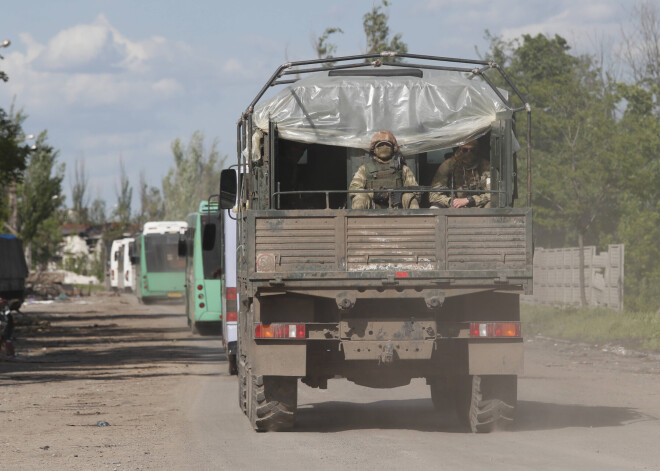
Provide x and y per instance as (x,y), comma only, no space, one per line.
(385,171)
(465,170)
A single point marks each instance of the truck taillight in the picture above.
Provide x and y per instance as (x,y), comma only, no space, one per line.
(494,329)
(231,293)
(279,331)
(232,317)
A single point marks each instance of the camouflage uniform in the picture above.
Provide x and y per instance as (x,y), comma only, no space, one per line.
(366,179)
(381,173)
(462,172)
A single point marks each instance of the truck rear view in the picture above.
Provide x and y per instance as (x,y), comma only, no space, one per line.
(392,292)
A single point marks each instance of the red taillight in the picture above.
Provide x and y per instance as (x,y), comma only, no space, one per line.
(495,329)
(231,293)
(200,287)
(202,305)
(232,317)
(112,274)
(279,331)
(401,274)
(126,276)
(200,296)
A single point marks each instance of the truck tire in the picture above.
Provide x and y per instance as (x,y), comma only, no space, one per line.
(486,403)
(242,387)
(273,402)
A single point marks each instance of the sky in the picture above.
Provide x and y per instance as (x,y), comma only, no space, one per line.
(122,79)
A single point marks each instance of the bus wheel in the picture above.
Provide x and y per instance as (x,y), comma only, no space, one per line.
(486,403)
(231,362)
(273,401)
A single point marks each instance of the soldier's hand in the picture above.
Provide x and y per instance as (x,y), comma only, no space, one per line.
(459,202)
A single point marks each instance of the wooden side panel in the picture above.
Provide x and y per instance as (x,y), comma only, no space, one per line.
(295,244)
(486,242)
(391,243)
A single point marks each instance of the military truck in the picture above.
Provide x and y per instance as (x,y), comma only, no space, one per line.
(378,296)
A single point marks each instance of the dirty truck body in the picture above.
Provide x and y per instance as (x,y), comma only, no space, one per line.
(378,296)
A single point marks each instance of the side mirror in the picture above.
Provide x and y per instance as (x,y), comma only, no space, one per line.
(227,188)
(208,237)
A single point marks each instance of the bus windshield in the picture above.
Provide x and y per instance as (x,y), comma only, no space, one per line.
(212,258)
(161,253)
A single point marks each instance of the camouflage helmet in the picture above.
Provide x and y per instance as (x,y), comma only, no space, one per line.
(383,136)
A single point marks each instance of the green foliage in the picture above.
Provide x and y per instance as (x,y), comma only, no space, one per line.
(152,207)
(324,48)
(39,201)
(596,170)
(98,264)
(195,176)
(377,32)
(631,329)
(79,196)
(97,212)
(122,211)
(78,264)
(13,150)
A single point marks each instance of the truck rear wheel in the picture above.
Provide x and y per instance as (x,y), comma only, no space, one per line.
(487,403)
(273,402)
(242,387)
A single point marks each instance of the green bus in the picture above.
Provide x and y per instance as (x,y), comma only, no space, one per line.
(202,245)
(160,273)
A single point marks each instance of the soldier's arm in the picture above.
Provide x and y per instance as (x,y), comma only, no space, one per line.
(408,177)
(359,180)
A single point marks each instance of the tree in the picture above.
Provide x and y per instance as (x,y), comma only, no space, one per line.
(122,211)
(13,149)
(40,199)
(195,176)
(3,76)
(324,48)
(151,202)
(576,163)
(79,195)
(97,212)
(377,32)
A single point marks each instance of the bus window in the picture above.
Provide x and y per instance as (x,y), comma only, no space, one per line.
(162,254)
(212,258)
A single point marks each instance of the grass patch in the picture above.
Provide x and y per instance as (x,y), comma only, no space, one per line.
(635,330)
(85,287)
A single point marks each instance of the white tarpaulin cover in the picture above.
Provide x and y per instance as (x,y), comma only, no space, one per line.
(439,110)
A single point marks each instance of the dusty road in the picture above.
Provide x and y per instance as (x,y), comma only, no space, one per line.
(170,404)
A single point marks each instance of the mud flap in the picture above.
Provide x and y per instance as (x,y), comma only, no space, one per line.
(279,359)
(489,358)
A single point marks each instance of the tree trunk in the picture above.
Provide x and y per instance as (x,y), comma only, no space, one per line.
(583,291)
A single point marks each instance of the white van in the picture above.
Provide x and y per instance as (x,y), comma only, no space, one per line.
(116,259)
(128,274)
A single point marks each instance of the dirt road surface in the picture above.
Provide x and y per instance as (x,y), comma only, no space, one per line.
(170,404)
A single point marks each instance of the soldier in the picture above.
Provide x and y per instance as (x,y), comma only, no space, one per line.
(465,170)
(385,171)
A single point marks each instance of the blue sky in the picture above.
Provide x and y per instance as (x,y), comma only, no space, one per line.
(111,79)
